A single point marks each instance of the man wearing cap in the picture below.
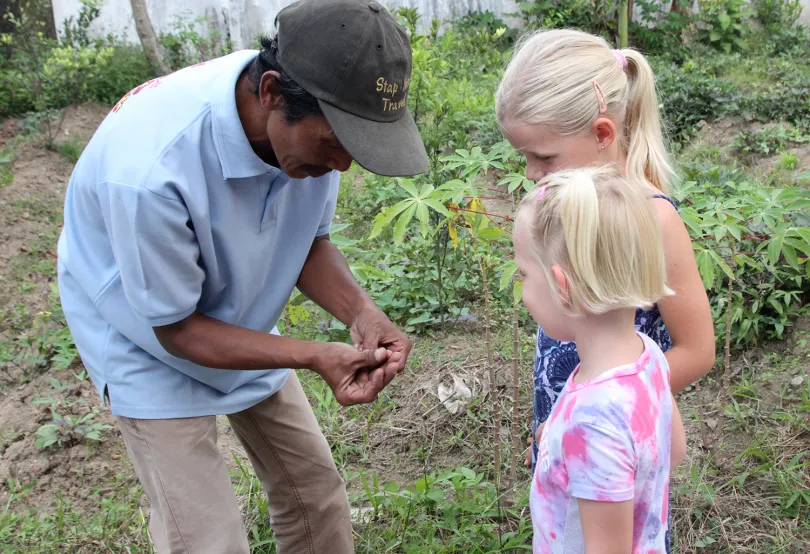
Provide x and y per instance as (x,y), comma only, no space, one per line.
(203,199)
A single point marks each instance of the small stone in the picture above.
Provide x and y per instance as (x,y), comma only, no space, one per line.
(712,424)
(797,381)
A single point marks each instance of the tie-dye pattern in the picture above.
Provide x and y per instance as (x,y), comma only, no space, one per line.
(607,440)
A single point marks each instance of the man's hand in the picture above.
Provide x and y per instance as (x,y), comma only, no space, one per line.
(371,329)
(355,377)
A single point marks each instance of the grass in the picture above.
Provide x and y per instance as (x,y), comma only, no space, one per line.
(70,149)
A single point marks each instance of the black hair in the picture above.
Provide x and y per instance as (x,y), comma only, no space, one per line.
(298,103)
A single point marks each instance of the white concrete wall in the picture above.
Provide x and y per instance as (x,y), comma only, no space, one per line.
(245,19)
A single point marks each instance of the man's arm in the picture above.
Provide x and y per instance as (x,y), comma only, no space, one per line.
(327,280)
(354,376)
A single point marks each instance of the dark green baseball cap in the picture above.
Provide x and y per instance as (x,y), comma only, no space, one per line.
(356,60)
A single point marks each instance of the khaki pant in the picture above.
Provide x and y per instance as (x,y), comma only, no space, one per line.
(193,505)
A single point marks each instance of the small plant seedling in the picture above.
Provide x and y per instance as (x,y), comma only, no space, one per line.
(70,430)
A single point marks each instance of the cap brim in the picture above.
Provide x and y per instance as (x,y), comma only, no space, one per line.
(392,149)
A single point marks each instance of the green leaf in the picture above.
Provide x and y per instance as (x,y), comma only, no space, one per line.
(508,271)
(704,542)
(437,206)
(775,247)
(385,217)
(803,232)
(706,266)
(424,318)
(714,36)
(721,263)
(724,20)
(517,291)
(402,223)
(424,218)
(490,233)
(409,187)
(790,255)
(799,245)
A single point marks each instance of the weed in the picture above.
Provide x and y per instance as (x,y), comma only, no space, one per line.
(769,140)
(71,149)
(69,430)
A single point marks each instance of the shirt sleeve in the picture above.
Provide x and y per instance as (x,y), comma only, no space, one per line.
(600,463)
(331,206)
(156,251)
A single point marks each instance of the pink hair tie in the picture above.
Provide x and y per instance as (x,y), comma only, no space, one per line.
(540,193)
(620,58)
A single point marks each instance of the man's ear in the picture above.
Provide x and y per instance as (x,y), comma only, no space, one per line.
(269,95)
(562,285)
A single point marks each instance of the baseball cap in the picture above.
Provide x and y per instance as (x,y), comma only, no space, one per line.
(356,60)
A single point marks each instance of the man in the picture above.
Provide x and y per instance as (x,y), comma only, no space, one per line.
(204,197)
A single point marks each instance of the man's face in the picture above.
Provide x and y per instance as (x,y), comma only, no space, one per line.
(306,147)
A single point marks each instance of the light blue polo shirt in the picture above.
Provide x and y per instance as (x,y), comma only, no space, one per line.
(169,211)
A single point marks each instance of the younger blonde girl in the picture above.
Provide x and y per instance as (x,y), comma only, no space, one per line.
(588,244)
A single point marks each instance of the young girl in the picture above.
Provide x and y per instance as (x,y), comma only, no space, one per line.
(588,245)
(567,100)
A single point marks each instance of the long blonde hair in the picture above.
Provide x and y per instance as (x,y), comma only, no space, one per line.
(550,81)
(603,232)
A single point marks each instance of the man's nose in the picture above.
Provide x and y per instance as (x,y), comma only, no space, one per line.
(340,163)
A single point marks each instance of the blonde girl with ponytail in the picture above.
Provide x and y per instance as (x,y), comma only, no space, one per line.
(568,100)
(588,244)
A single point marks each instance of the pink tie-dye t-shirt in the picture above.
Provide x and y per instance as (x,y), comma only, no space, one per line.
(606,440)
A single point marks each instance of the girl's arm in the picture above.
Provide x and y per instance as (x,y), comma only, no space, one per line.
(678,446)
(607,527)
(687,315)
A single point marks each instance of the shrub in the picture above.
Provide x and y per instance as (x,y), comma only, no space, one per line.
(754,239)
(769,140)
(776,15)
(723,23)
(689,96)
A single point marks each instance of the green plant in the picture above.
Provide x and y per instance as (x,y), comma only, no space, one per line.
(69,430)
(6,174)
(789,102)
(752,245)
(660,31)
(776,15)
(75,30)
(190,42)
(723,23)
(70,149)
(598,17)
(769,140)
(689,96)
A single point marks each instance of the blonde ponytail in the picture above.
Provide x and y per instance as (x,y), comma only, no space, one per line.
(647,157)
(603,232)
(550,81)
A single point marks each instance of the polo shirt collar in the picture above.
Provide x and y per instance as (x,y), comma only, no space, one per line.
(236,156)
